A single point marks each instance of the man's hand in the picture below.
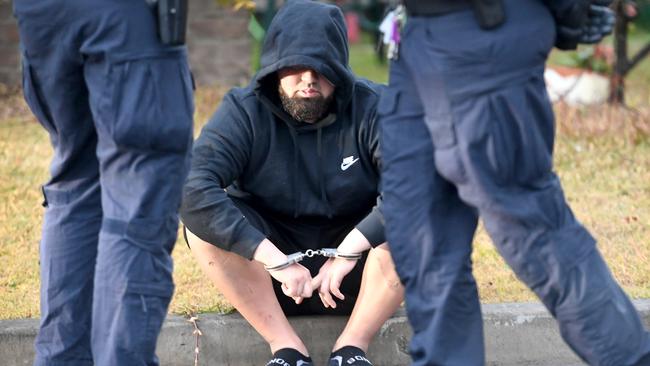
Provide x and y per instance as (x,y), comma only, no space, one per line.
(329,279)
(331,274)
(295,279)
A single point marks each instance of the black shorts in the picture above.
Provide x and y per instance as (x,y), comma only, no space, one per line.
(298,235)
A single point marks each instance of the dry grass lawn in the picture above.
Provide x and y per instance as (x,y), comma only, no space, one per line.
(602,157)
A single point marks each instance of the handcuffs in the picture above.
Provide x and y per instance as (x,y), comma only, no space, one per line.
(325,252)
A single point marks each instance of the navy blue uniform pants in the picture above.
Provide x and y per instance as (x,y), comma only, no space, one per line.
(118,108)
(468,132)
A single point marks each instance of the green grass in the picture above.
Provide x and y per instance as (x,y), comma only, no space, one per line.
(365,63)
(602,156)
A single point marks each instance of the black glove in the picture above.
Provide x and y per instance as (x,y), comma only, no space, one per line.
(601,23)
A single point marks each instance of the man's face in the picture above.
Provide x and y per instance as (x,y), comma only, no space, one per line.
(305,94)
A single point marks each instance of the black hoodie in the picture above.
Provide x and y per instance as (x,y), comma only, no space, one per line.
(325,173)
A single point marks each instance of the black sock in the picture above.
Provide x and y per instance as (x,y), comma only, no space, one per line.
(289,357)
(349,355)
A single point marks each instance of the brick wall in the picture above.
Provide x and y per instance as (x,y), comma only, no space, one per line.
(218,42)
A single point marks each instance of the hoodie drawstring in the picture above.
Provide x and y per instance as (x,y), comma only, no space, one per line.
(294,175)
(321,178)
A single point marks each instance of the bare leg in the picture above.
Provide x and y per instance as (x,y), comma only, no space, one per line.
(379,297)
(247,286)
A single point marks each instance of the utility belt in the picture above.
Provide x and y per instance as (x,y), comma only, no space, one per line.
(171,16)
(489,13)
(430,8)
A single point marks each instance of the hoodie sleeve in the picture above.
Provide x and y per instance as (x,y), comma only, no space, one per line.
(219,156)
(372,226)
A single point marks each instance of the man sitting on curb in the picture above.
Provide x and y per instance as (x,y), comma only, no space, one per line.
(291,164)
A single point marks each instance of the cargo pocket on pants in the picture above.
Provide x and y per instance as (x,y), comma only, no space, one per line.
(447,151)
(35,99)
(150,104)
(142,312)
(387,102)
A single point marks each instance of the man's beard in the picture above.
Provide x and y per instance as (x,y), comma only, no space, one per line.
(307,110)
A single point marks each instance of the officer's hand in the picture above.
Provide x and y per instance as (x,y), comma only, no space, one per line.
(296,281)
(329,279)
(600,23)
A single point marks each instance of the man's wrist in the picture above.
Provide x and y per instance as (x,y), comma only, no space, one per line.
(354,242)
(289,261)
(268,254)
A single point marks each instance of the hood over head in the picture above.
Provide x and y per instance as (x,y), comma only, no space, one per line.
(311,34)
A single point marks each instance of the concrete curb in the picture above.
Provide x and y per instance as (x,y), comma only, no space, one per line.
(515,334)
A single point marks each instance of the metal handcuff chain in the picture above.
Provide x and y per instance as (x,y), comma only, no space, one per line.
(309,253)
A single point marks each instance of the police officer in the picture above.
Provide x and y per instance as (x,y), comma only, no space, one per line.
(468,132)
(117,104)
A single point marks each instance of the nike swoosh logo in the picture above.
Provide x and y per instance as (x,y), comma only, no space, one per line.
(347,162)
